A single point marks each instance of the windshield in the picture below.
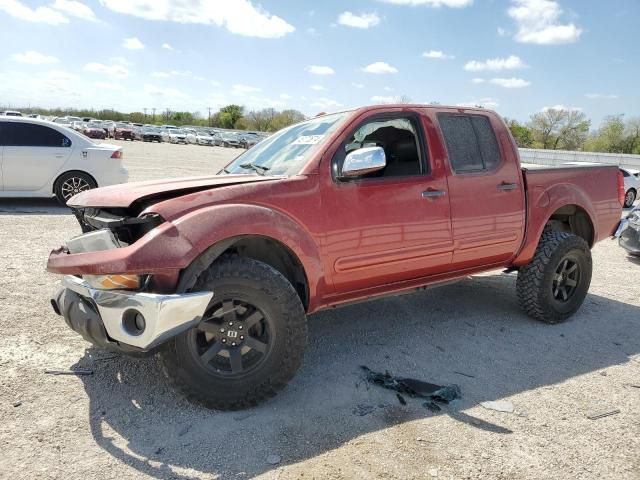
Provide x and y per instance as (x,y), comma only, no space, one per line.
(287,151)
(176,131)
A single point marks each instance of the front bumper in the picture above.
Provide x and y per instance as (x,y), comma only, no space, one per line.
(629,237)
(110,318)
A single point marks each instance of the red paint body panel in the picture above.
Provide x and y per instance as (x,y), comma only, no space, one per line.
(363,238)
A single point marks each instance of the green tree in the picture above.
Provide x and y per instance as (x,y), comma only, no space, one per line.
(229,115)
(521,133)
(559,129)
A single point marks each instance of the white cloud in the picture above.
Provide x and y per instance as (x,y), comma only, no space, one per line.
(501,32)
(240,90)
(510,82)
(32,57)
(114,70)
(109,86)
(364,20)
(601,96)
(486,102)
(437,54)
(538,22)
(318,88)
(132,43)
(478,80)
(561,107)
(121,61)
(433,3)
(357,85)
(75,9)
(167,46)
(320,70)
(388,89)
(238,16)
(382,99)
(160,74)
(325,103)
(380,67)
(495,64)
(167,94)
(215,83)
(17,9)
(285,96)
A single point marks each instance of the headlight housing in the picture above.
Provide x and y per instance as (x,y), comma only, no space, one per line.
(115,281)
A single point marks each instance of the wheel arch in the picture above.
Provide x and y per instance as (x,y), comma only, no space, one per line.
(55,182)
(262,248)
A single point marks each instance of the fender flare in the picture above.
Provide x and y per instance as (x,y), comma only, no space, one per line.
(241,220)
(542,205)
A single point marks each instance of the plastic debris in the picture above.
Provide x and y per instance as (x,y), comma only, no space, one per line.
(499,406)
(434,394)
(606,413)
(17,404)
(78,371)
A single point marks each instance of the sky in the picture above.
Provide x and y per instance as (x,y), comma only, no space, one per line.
(515,56)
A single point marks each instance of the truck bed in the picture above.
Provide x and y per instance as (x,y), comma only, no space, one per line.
(593,188)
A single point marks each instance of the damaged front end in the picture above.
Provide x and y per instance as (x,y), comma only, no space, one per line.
(629,232)
(108,294)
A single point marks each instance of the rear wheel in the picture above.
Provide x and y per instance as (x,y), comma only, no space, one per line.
(554,285)
(629,198)
(72,183)
(249,343)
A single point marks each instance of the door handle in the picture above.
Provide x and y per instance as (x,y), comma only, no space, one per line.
(505,187)
(59,155)
(433,193)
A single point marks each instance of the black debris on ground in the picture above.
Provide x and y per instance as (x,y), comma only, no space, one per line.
(434,394)
(361,410)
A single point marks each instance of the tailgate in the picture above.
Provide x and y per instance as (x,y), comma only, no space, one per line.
(594,188)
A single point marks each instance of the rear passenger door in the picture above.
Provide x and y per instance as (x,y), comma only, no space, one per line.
(32,155)
(485,187)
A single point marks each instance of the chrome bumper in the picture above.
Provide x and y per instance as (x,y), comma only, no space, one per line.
(163,316)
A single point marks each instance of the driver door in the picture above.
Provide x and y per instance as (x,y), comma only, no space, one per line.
(390,225)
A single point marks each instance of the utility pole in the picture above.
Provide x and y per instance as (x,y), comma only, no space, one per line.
(145,113)
(209,122)
(154,114)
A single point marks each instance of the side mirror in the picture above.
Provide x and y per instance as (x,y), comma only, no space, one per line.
(363,161)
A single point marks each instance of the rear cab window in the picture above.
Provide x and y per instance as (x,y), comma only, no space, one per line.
(471,142)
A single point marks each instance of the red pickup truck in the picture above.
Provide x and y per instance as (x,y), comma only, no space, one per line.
(217,274)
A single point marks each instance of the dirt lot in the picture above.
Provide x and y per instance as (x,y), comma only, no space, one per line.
(124,422)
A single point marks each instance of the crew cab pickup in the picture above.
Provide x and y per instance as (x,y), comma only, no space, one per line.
(217,274)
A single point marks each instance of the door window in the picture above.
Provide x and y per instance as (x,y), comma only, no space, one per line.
(471,142)
(400,139)
(16,134)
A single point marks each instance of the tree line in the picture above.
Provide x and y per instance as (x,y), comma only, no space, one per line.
(560,129)
(230,116)
(553,129)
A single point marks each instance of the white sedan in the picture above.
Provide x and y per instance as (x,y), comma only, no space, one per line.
(631,185)
(45,159)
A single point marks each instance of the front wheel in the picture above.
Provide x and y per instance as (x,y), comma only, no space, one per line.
(249,343)
(629,198)
(71,184)
(554,285)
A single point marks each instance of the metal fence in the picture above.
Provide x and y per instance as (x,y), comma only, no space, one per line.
(560,157)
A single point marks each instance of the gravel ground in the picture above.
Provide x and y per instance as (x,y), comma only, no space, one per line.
(124,422)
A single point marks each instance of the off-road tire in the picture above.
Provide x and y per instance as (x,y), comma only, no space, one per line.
(85,182)
(275,296)
(535,283)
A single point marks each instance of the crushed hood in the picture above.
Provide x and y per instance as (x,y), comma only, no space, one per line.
(124,195)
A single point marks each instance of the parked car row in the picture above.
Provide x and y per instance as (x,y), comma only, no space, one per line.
(104,129)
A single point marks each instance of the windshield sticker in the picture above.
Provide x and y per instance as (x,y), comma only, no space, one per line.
(308,140)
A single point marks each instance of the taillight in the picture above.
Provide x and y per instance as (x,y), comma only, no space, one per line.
(117,154)
(621,192)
